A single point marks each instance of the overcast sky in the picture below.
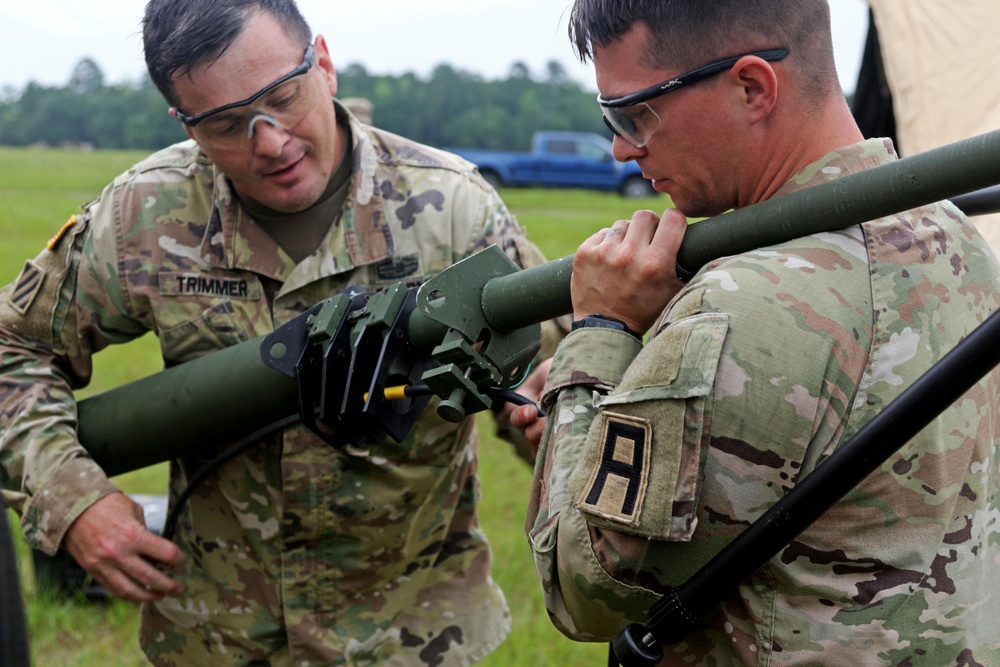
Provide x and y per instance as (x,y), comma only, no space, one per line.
(41,41)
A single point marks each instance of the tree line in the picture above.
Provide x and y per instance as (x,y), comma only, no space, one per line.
(450,107)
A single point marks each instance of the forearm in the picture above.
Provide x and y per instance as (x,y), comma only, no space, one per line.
(588,599)
(48,478)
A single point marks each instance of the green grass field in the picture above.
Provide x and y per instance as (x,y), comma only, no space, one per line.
(40,189)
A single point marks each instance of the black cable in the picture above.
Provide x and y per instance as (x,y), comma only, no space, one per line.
(240,447)
(496,393)
(501,394)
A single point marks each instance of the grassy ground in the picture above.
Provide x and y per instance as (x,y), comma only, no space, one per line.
(40,189)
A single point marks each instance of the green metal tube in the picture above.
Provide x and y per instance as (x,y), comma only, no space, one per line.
(211,401)
(530,296)
(914,181)
(231,393)
(542,292)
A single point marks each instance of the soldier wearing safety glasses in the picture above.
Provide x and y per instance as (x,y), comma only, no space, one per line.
(681,412)
(295,552)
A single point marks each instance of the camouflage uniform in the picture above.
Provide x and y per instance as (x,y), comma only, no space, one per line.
(298,553)
(656,457)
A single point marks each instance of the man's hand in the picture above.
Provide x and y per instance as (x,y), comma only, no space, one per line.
(629,272)
(110,541)
(526,417)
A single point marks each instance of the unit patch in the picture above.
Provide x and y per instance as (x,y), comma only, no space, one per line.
(27,286)
(617,486)
(198,284)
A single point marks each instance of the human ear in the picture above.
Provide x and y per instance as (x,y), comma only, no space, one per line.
(325,64)
(758,86)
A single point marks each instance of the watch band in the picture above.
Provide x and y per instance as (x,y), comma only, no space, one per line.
(602,322)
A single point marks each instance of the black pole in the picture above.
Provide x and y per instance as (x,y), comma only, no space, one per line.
(682,610)
(980,202)
(14,648)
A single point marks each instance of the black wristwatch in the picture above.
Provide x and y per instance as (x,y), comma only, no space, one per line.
(600,321)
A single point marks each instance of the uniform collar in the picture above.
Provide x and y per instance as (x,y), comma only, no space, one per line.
(841,162)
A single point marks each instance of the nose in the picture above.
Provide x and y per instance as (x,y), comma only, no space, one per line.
(624,151)
(267,135)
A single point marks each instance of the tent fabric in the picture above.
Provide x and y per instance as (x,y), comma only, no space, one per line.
(943,66)
(942,63)
(872,102)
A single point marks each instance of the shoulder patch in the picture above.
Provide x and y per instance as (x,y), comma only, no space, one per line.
(617,486)
(27,286)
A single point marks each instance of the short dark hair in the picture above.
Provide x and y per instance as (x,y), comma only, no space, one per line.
(178,35)
(689,33)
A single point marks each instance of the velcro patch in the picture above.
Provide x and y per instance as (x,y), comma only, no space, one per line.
(27,287)
(198,284)
(617,486)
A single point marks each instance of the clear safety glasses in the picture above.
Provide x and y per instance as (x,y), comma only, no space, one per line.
(282,103)
(632,119)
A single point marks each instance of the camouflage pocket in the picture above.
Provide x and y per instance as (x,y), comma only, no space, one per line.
(586,601)
(220,326)
(644,449)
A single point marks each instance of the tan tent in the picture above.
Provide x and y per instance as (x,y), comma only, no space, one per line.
(942,65)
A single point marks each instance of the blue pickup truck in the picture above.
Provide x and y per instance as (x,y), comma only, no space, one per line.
(561,160)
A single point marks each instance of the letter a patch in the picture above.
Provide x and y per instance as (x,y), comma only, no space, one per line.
(617,486)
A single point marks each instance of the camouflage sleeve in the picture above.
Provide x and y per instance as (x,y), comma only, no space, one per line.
(52,319)
(616,475)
